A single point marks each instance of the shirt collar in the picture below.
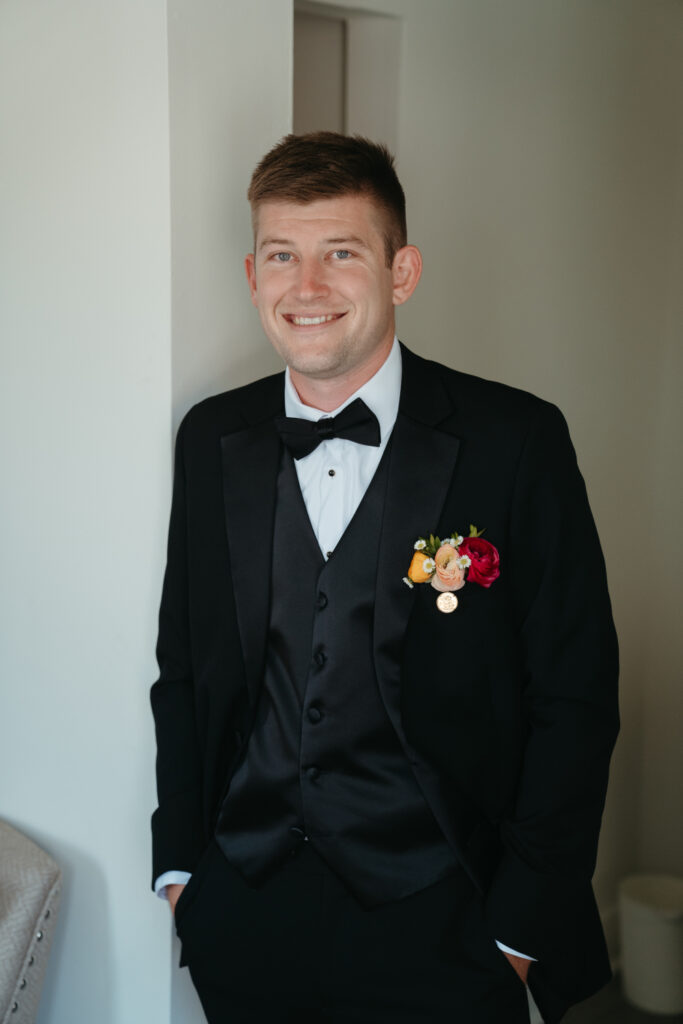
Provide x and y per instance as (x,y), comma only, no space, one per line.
(381,394)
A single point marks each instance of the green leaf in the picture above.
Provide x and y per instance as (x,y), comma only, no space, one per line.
(474,532)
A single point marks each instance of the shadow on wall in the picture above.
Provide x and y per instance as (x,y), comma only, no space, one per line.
(239,370)
(84,907)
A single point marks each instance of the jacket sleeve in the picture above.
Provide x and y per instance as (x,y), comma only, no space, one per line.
(177,825)
(540,899)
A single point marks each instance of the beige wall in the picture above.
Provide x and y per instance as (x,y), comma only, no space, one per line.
(320,56)
(661,821)
(539,146)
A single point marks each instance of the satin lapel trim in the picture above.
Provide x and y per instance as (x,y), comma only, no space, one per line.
(251,460)
(421,471)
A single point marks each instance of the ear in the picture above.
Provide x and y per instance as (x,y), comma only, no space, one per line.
(406,270)
(250,269)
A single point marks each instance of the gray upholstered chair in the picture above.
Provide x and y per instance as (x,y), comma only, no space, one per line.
(30,886)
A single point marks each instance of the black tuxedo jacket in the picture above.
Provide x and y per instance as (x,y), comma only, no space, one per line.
(511,698)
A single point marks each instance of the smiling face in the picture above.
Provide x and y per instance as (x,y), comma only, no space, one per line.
(324,293)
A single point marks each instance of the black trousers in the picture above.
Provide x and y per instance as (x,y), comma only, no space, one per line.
(301,948)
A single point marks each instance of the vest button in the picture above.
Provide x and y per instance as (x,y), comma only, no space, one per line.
(315,715)
(322,601)
(312,772)
(320,658)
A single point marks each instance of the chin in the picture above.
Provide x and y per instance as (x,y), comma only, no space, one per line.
(322,362)
(318,368)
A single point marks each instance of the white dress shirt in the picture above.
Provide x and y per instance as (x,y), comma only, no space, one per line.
(333,480)
(336,475)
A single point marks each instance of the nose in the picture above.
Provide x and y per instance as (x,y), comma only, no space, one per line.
(311,281)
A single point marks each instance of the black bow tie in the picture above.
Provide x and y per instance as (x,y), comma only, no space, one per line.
(354,423)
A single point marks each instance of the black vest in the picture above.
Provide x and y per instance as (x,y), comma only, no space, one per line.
(323,762)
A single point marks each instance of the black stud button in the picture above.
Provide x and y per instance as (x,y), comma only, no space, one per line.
(321,601)
(313,772)
(315,715)
(331,472)
(320,658)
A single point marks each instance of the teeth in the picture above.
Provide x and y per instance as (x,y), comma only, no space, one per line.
(311,321)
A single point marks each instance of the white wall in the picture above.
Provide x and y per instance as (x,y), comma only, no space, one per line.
(85,425)
(230,77)
(93,381)
(230,86)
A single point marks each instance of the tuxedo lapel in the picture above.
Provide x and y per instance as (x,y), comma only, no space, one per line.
(422,463)
(251,458)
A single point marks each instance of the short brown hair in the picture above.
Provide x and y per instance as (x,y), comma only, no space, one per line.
(320,165)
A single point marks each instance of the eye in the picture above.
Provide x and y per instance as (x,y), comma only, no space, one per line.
(281,257)
(342,254)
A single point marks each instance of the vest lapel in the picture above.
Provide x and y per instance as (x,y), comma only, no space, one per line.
(421,471)
(251,458)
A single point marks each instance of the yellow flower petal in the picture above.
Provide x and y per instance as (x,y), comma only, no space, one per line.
(417,572)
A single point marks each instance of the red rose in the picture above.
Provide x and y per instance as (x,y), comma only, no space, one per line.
(485,561)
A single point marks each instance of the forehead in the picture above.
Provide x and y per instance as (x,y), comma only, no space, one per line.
(336,218)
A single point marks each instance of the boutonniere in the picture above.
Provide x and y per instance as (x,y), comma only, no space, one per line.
(450,563)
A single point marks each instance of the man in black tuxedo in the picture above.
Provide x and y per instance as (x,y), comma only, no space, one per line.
(382,756)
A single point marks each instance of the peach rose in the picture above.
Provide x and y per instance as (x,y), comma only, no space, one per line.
(419,572)
(449,575)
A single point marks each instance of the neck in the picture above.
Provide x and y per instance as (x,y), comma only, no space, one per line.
(329,393)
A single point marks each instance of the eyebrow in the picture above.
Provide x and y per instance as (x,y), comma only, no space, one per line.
(347,240)
(274,241)
(344,240)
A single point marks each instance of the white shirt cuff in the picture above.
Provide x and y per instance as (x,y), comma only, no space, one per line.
(170,878)
(515,952)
